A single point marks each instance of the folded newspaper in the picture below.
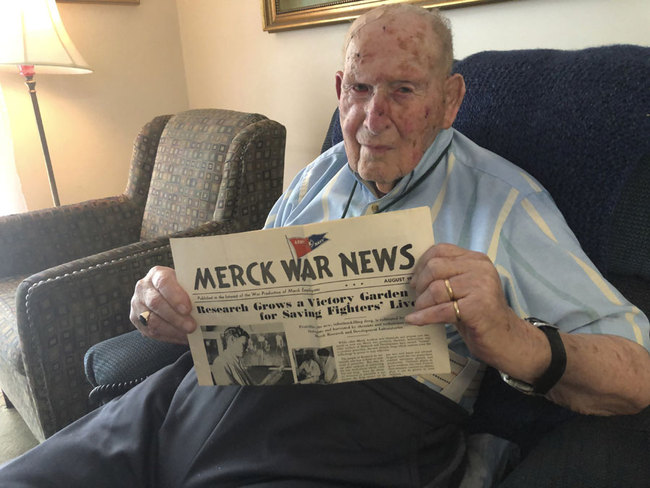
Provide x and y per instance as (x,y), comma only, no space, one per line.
(318,303)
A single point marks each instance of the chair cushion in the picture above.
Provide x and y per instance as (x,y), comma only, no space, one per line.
(589,451)
(10,349)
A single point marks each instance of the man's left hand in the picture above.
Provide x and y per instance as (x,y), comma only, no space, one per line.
(446,273)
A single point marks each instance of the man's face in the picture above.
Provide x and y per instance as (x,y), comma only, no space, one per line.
(393,97)
(238,345)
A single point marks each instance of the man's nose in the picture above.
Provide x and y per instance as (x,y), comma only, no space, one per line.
(377,112)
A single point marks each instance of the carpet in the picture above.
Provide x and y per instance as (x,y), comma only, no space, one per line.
(15,437)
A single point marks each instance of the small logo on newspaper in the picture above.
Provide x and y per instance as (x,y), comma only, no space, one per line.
(304,245)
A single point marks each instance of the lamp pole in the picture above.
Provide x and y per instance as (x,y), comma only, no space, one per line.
(28,72)
(32,34)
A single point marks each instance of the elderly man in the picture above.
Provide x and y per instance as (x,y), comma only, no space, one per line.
(508,256)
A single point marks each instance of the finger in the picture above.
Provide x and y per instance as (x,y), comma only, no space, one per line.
(441,313)
(446,267)
(436,292)
(161,330)
(439,269)
(442,250)
(165,312)
(156,327)
(164,280)
(159,293)
(168,300)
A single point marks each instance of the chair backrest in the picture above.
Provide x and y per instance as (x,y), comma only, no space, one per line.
(578,121)
(214,164)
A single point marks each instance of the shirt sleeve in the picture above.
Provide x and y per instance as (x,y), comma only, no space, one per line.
(546,274)
(303,191)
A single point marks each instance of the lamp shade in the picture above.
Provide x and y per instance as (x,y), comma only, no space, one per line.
(31,33)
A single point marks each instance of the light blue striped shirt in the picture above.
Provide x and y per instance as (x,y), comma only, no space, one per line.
(482,202)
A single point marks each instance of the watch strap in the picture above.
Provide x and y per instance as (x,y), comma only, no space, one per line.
(556,368)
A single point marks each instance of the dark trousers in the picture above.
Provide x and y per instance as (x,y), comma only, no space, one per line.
(169,432)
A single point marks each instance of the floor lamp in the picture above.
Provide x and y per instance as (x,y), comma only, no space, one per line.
(32,37)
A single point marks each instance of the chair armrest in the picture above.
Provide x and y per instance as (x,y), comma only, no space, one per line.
(38,240)
(117,364)
(64,310)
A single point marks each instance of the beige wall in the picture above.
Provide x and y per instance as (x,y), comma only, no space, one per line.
(289,76)
(227,61)
(91,120)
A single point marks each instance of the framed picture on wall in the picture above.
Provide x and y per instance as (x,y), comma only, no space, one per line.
(117,2)
(279,15)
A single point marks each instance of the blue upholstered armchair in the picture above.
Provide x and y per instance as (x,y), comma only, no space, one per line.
(579,122)
(67,274)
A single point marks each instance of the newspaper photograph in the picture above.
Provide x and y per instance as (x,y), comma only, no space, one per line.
(319,303)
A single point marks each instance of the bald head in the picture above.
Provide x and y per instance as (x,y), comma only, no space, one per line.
(438,35)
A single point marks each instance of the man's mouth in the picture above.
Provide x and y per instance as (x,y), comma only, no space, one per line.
(376,148)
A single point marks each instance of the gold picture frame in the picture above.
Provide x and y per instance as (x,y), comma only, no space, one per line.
(281,15)
(116,2)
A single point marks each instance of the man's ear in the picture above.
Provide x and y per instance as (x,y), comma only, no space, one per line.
(454,94)
(339,82)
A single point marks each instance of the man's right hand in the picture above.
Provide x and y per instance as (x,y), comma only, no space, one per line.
(160,293)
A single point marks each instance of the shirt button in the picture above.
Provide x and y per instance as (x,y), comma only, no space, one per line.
(374,207)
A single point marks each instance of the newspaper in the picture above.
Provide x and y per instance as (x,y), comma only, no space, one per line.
(318,303)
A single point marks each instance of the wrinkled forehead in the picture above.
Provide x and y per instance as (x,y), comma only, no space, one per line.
(408,36)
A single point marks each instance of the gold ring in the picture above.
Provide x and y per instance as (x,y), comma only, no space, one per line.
(144,317)
(450,292)
(456,309)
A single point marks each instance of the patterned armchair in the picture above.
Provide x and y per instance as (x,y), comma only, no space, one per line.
(67,273)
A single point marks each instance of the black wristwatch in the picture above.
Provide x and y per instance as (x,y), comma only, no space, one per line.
(554,371)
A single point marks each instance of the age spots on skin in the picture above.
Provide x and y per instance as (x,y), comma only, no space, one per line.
(403,43)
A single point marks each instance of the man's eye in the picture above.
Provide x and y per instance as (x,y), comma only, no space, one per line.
(360,88)
(405,89)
